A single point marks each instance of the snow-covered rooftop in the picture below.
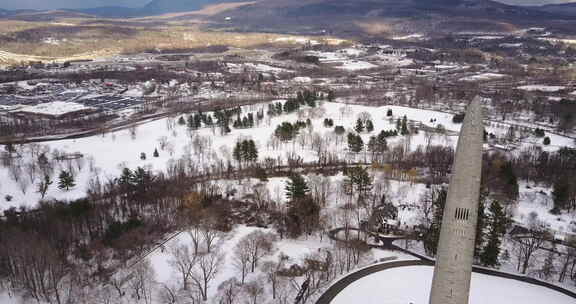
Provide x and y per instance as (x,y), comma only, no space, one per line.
(56,108)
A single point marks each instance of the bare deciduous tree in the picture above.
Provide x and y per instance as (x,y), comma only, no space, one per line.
(142,282)
(205,271)
(228,291)
(254,289)
(183,261)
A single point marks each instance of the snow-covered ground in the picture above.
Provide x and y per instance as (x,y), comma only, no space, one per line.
(483,77)
(412,285)
(355,65)
(542,88)
(538,200)
(107,154)
(409,37)
(254,67)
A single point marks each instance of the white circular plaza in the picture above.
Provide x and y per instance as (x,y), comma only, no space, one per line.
(411,285)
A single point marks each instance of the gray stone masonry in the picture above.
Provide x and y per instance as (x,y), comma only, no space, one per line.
(453,269)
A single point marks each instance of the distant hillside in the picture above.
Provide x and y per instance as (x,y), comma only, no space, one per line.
(567,9)
(154,7)
(111,11)
(344,16)
(157,7)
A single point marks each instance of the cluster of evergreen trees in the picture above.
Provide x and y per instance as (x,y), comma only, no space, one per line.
(302,98)
(378,144)
(355,142)
(388,133)
(196,120)
(458,118)
(135,183)
(328,122)
(364,125)
(244,122)
(303,214)
(287,131)
(539,132)
(291,105)
(223,118)
(402,126)
(275,109)
(358,181)
(490,229)
(245,151)
(493,231)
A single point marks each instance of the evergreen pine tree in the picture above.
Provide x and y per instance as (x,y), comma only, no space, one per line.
(224,127)
(355,143)
(331,96)
(359,128)
(245,150)
(66,180)
(156,154)
(253,151)
(190,122)
(497,223)
(404,127)
(480,225)
(209,120)
(126,177)
(181,121)
(382,143)
(389,113)
(372,145)
(432,235)
(369,126)
(296,187)
(237,153)
(44,185)
(359,181)
(560,195)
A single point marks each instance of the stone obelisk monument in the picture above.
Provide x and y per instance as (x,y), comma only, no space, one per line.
(453,270)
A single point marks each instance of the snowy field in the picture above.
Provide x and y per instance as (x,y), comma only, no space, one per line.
(542,88)
(539,200)
(483,77)
(412,285)
(104,156)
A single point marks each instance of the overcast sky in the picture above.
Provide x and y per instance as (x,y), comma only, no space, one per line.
(52,4)
(534,2)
